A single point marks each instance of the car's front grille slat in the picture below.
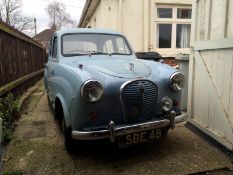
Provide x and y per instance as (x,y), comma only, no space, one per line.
(139,98)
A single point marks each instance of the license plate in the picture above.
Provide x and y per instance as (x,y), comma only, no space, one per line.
(141,137)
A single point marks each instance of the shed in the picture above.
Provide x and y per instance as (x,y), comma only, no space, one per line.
(210,101)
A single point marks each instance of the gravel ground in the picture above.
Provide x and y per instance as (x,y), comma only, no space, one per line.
(37,148)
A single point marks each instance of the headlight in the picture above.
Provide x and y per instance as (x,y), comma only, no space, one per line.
(92,91)
(177,81)
(166,104)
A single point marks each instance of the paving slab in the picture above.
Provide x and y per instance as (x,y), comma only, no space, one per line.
(37,148)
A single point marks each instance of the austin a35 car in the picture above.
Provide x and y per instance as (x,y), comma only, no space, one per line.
(100,90)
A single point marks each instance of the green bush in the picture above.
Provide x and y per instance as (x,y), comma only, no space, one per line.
(9,113)
(14,172)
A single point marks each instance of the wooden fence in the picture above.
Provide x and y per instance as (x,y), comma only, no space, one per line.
(21,60)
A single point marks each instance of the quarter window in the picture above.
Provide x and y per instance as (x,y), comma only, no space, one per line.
(54,50)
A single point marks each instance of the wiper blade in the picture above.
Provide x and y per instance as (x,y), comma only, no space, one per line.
(98,53)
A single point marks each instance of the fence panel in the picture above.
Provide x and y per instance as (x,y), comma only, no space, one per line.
(20,56)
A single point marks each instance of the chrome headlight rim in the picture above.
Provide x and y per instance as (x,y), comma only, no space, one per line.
(164,102)
(172,86)
(85,84)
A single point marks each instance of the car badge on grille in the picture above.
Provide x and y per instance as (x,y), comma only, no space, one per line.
(131,67)
(141,87)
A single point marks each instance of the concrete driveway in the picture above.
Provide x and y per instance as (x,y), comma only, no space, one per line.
(37,148)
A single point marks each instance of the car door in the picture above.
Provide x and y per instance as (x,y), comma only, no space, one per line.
(52,61)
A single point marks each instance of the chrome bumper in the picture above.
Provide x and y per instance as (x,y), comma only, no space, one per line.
(114,131)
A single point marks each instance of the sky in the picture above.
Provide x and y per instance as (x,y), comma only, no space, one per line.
(36,9)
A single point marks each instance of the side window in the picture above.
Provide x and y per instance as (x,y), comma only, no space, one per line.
(54,49)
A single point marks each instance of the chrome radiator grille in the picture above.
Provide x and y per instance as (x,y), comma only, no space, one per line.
(139,98)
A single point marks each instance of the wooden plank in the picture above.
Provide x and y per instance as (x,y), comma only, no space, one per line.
(194,23)
(220,121)
(211,86)
(201,21)
(191,85)
(208,19)
(230,22)
(226,18)
(212,134)
(196,93)
(228,68)
(230,107)
(217,19)
(12,85)
(2,68)
(214,44)
(206,72)
(220,72)
(13,33)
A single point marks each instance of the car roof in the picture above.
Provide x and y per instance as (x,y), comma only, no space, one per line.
(86,30)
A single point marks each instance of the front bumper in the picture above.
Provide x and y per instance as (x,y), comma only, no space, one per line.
(114,131)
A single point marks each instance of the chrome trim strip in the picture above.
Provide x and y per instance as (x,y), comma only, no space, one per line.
(123,130)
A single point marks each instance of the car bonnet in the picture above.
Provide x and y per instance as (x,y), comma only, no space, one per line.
(121,68)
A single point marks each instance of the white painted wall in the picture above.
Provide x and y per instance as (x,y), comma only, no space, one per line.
(136,21)
(211,70)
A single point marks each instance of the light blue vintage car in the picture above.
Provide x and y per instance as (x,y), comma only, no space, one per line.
(100,90)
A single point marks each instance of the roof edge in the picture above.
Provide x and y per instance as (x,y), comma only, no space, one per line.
(87,9)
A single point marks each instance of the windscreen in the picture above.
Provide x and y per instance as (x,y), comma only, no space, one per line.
(81,44)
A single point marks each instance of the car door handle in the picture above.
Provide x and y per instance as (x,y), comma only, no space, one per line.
(52,72)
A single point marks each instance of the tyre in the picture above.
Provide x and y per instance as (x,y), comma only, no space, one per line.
(69,142)
(59,116)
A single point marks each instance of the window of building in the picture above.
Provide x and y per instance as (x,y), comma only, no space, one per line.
(164,35)
(183,35)
(164,13)
(184,13)
(173,26)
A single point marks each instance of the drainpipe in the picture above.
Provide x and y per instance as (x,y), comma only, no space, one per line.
(120,16)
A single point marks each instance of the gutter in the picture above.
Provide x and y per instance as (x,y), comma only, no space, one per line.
(87,8)
(84,12)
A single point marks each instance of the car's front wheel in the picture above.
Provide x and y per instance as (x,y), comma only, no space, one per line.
(59,115)
(69,142)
